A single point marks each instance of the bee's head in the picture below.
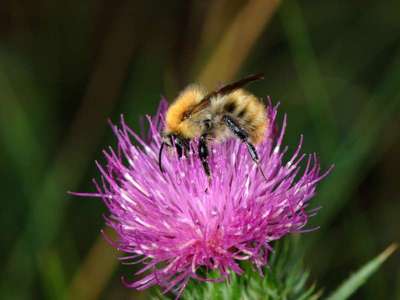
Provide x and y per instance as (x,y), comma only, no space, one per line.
(170,140)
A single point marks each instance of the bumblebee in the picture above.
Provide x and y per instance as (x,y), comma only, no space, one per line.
(223,113)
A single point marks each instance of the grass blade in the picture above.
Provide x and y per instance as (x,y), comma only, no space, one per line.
(360,277)
(237,42)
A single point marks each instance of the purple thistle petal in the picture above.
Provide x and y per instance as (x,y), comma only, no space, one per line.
(176,223)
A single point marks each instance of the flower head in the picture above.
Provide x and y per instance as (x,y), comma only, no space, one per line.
(178,224)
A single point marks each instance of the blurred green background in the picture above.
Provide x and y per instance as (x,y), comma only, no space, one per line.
(67,66)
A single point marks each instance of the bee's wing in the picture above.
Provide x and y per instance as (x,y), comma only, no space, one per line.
(199,107)
(226,89)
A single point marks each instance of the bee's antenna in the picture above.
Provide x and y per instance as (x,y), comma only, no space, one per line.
(160,156)
(261,171)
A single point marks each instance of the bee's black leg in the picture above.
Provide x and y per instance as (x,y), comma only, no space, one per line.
(186,147)
(243,136)
(179,150)
(182,146)
(203,154)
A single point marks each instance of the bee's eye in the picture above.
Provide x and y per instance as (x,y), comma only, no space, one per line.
(175,140)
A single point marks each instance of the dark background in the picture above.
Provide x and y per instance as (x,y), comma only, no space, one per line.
(67,66)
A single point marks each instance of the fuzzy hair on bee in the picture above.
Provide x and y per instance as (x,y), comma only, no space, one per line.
(228,112)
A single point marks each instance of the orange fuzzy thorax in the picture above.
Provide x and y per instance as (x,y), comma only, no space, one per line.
(175,115)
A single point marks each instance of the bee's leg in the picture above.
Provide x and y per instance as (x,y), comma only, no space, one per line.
(182,146)
(203,154)
(244,137)
(186,147)
(179,150)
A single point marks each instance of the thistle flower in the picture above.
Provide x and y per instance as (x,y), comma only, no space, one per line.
(179,225)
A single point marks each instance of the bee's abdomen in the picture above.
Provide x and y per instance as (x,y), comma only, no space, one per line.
(249,113)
